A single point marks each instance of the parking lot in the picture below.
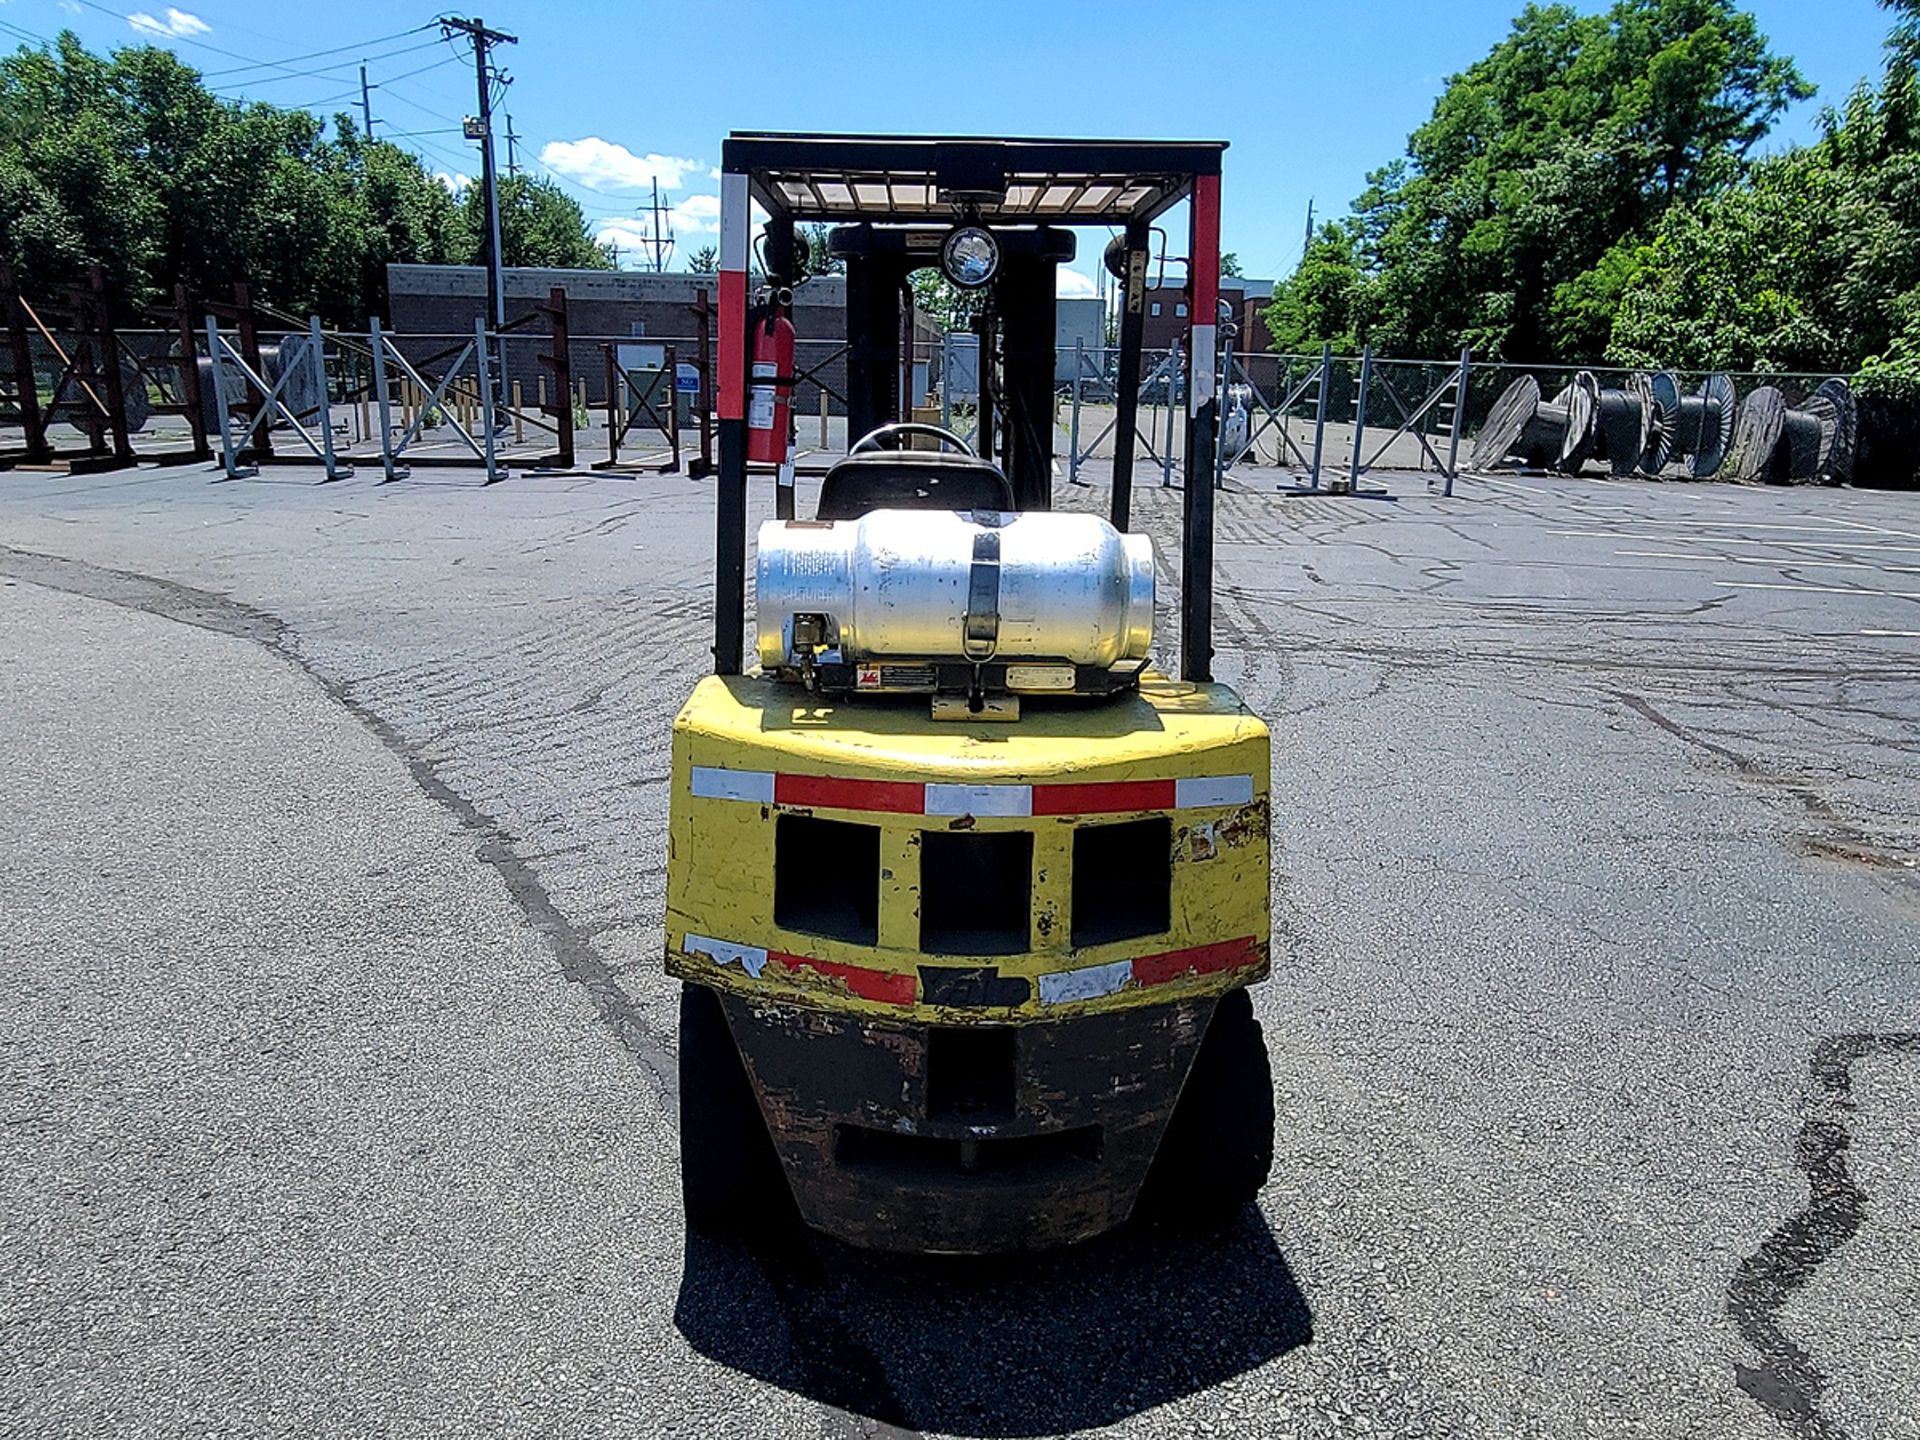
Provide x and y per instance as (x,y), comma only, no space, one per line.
(336,1071)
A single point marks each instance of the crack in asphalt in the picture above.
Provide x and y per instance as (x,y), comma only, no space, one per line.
(1787,1383)
(841,1372)
(580,962)
(1843,840)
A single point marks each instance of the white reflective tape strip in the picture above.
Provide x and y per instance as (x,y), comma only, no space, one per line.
(979,800)
(1213,790)
(1200,388)
(750,958)
(1063,986)
(712,783)
(735,222)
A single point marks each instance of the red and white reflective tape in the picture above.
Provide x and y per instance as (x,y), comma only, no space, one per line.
(913,797)
(886,986)
(735,222)
(1205,249)
(1090,982)
(1060,987)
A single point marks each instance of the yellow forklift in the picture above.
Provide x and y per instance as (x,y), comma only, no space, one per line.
(964,896)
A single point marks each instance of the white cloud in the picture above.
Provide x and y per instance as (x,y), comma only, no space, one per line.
(713,172)
(73,7)
(697,215)
(454,183)
(602,165)
(177,24)
(1072,285)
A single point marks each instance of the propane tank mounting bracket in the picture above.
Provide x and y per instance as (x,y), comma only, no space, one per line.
(981,633)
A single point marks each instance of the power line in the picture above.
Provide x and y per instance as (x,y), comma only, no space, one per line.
(335,50)
(248,62)
(415,104)
(310,104)
(325,72)
(158,33)
(15,30)
(409,74)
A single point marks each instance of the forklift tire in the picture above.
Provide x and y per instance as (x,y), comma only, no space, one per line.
(1218,1148)
(729,1173)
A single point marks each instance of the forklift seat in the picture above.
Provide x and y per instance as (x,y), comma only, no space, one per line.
(911,480)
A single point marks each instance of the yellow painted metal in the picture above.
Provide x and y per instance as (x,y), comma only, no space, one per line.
(721,851)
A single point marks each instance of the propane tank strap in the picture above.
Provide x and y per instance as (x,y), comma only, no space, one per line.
(982,624)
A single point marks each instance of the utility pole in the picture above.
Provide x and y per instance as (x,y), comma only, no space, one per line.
(482,130)
(1307,244)
(659,244)
(366,105)
(513,153)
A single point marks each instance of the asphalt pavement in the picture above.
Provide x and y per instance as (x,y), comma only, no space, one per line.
(336,1077)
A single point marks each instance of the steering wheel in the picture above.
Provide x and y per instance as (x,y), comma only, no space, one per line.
(900,429)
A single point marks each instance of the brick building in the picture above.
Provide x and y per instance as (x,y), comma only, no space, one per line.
(1166,315)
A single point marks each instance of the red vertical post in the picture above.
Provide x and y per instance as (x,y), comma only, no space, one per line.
(190,374)
(111,379)
(673,406)
(26,387)
(701,309)
(613,407)
(561,363)
(258,411)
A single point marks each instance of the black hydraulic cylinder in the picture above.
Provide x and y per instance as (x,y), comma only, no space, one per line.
(1025,293)
(1196,569)
(730,550)
(1127,383)
(873,343)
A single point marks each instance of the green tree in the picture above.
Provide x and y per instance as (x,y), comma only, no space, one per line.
(540,224)
(950,307)
(1813,264)
(1323,301)
(704,260)
(128,162)
(819,260)
(1574,134)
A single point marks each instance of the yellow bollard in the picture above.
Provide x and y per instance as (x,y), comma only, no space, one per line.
(823,418)
(519,421)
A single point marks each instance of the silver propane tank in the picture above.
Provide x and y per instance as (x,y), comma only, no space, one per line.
(942,585)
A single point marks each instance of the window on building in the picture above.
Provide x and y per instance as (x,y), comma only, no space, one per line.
(1156,308)
(1180,311)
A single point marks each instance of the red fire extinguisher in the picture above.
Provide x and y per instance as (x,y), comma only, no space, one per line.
(770,388)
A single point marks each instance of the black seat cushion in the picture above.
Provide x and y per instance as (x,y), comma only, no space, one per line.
(911,480)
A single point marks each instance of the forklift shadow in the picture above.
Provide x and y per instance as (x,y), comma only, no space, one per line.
(1011,1346)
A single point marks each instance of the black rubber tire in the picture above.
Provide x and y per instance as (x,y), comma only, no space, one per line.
(1218,1149)
(730,1176)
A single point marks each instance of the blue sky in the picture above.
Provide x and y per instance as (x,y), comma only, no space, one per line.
(609,96)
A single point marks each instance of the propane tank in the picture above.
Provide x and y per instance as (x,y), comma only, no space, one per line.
(941,585)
